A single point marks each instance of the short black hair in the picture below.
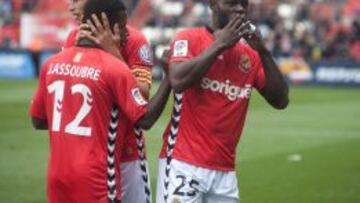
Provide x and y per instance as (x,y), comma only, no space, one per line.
(112,9)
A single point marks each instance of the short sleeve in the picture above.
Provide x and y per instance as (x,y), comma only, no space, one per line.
(38,103)
(71,39)
(127,94)
(139,50)
(140,57)
(181,47)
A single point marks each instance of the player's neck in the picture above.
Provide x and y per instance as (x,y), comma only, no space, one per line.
(85,42)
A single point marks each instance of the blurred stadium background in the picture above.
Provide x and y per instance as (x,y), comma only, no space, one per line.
(308,153)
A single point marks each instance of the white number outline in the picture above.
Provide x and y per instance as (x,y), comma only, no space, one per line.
(74,126)
(58,87)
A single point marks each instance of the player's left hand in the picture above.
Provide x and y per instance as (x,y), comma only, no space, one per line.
(254,38)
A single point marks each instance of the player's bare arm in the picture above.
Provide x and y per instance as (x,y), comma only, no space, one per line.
(39,124)
(183,75)
(144,85)
(110,41)
(157,103)
(276,90)
(144,88)
(155,106)
(143,79)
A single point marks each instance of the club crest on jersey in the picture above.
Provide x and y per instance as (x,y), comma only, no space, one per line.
(77,57)
(245,63)
(145,54)
(138,98)
(181,48)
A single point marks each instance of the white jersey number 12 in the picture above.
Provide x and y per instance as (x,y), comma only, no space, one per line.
(73,127)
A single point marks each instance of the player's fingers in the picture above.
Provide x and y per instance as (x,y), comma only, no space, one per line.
(84,26)
(245,34)
(87,34)
(92,27)
(232,21)
(243,27)
(105,21)
(97,22)
(79,36)
(239,23)
(116,29)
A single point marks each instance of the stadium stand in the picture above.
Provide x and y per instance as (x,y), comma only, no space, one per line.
(310,30)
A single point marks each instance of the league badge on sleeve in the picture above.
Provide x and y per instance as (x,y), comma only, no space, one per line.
(245,63)
(181,48)
(145,54)
(138,98)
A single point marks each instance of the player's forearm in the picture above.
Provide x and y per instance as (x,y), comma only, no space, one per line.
(144,89)
(39,124)
(276,90)
(156,105)
(184,75)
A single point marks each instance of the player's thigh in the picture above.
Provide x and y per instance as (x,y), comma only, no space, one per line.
(160,181)
(132,183)
(183,185)
(224,189)
(212,198)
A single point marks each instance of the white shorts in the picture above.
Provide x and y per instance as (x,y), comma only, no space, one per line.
(192,184)
(132,183)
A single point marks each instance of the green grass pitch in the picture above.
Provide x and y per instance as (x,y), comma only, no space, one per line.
(308,153)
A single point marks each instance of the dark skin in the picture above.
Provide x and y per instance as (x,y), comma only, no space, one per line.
(155,105)
(39,124)
(230,25)
(109,38)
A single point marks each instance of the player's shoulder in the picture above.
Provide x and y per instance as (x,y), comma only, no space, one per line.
(112,64)
(60,55)
(55,58)
(71,38)
(74,32)
(135,35)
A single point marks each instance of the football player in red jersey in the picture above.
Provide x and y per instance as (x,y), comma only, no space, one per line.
(213,72)
(133,48)
(84,95)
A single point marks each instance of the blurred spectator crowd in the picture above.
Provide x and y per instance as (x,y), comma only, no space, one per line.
(309,29)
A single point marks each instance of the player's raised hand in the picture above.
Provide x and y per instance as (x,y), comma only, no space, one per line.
(101,33)
(229,35)
(253,37)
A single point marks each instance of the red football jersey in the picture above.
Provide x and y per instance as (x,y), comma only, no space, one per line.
(138,56)
(76,93)
(212,112)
